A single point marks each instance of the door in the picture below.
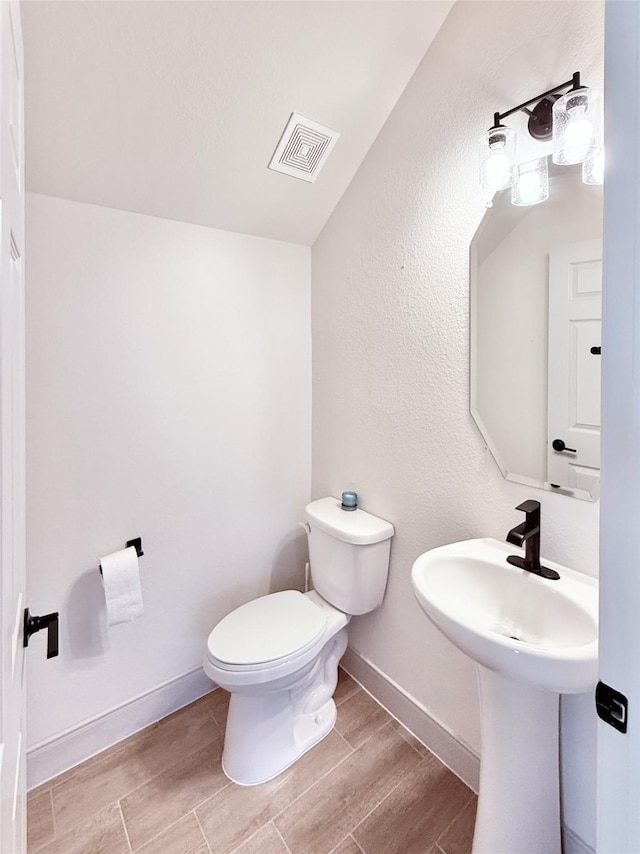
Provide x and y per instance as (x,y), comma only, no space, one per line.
(12,437)
(618,810)
(573,415)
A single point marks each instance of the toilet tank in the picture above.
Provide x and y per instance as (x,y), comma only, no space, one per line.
(349,555)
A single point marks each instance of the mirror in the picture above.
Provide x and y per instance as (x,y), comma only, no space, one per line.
(536,296)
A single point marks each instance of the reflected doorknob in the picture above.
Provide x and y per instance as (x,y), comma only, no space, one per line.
(559,445)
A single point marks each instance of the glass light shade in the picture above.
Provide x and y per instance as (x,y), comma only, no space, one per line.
(498,158)
(593,168)
(576,126)
(532,185)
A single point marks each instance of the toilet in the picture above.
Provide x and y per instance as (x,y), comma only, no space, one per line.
(278,655)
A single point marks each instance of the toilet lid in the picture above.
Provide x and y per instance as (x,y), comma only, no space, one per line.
(267,629)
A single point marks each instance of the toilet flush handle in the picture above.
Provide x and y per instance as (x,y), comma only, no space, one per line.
(305,526)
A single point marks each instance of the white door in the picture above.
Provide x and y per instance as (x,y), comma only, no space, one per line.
(618,813)
(12,435)
(573,415)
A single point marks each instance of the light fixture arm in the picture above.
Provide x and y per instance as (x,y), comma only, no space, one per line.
(572,84)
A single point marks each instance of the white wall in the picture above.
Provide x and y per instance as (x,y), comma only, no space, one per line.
(391,347)
(168,386)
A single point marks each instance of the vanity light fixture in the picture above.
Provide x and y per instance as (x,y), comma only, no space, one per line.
(568,114)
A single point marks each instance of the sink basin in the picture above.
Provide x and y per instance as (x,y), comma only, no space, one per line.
(530,629)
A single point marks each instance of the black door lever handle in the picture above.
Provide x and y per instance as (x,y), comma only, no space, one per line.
(48,622)
(559,445)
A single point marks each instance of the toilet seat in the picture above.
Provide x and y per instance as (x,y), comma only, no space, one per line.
(267,630)
(270,638)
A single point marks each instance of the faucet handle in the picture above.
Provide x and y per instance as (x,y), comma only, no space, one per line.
(529,506)
(532,510)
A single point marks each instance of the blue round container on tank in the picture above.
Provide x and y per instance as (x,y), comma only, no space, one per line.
(349,501)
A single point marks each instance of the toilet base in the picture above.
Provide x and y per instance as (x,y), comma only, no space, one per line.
(308,732)
(269,727)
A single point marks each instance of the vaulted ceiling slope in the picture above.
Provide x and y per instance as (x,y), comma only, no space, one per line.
(173,109)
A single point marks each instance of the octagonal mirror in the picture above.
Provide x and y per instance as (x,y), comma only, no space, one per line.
(536,297)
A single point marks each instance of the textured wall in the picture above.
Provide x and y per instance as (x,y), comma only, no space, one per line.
(390,346)
(168,397)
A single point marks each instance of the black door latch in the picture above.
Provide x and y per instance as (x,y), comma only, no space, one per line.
(559,445)
(611,706)
(48,622)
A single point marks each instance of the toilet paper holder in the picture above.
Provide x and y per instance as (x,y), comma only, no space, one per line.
(137,545)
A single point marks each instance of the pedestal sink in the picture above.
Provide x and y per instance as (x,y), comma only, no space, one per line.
(532,639)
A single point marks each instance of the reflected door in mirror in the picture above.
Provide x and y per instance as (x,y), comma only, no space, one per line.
(575,312)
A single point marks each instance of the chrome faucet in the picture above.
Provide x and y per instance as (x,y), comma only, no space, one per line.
(528,533)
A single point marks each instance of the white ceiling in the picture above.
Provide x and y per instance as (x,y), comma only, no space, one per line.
(173,109)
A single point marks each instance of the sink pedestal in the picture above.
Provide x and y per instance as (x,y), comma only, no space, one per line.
(519,800)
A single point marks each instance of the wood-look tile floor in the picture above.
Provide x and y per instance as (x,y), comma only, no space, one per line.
(368,788)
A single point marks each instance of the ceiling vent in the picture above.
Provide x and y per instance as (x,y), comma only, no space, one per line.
(303,149)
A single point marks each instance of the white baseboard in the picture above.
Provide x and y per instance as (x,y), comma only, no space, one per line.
(574,844)
(413,715)
(54,755)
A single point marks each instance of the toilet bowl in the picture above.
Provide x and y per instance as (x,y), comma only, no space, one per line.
(278,655)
